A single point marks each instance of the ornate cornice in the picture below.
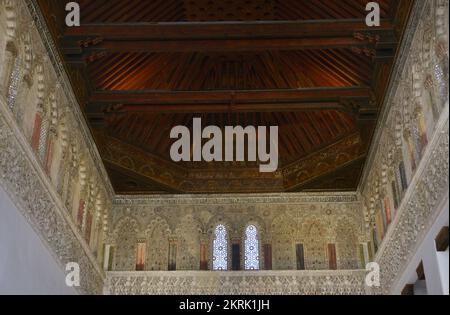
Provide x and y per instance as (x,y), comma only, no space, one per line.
(348,150)
(180,179)
(281,198)
(238,180)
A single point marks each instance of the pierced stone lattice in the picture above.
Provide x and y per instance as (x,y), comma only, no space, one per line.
(251,248)
(220,249)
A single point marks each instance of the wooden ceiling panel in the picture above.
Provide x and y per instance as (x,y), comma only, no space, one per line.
(311,67)
(246,71)
(300,133)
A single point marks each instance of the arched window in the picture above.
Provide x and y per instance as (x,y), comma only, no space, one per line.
(220,248)
(251,248)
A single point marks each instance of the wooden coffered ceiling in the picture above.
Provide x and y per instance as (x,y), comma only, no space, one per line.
(311,67)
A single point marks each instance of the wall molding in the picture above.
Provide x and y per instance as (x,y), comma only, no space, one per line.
(280,198)
(236,283)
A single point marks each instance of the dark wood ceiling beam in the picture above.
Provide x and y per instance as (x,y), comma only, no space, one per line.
(221,45)
(350,100)
(229,97)
(224,108)
(225,30)
(92,39)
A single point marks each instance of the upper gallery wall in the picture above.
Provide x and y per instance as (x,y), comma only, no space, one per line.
(407,179)
(48,163)
(294,231)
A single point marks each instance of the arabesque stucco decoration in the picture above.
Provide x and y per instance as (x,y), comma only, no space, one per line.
(52,171)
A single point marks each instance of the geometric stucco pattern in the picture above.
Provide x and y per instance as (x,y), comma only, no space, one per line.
(235,283)
(415,116)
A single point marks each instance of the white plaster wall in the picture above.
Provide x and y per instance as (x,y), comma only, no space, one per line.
(443,261)
(26,265)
